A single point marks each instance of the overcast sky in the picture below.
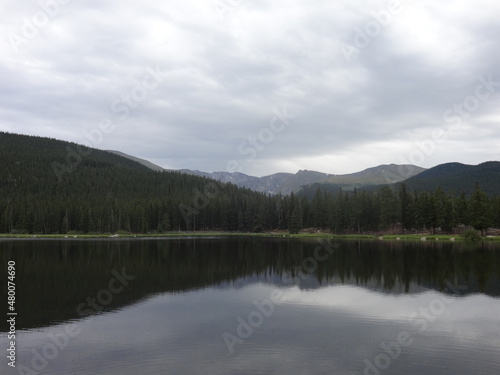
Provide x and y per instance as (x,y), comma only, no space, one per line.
(258,86)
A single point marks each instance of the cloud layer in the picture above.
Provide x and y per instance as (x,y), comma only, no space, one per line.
(201,85)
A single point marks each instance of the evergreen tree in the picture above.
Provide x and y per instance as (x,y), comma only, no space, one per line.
(462,210)
(294,226)
(407,208)
(480,210)
(389,206)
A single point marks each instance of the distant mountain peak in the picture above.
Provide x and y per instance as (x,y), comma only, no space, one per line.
(286,183)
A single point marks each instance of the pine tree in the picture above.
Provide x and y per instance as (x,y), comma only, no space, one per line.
(407,208)
(480,210)
(294,226)
(462,210)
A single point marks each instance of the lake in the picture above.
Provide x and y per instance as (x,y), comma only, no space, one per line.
(251,305)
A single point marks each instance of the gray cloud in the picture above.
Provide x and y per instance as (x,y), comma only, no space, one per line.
(225,73)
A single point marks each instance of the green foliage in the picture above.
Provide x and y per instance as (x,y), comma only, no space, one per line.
(471,235)
(481,212)
(106,193)
(294,222)
(457,178)
(101,192)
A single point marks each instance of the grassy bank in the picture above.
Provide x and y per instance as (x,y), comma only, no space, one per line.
(409,237)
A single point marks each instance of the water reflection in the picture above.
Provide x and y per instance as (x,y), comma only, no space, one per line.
(338,307)
(55,277)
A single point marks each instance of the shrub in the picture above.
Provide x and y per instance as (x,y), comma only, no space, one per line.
(471,235)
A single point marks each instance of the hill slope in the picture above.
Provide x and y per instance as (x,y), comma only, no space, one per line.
(379,175)
(144,162)
(371,177)
(458,178)
(51,186)
(305,181)
(277,183)
(286,183)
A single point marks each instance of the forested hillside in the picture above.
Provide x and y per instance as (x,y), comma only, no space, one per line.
(49,186)
(458,178)
(368,179)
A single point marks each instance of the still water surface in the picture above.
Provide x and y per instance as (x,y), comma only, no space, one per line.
(252,306)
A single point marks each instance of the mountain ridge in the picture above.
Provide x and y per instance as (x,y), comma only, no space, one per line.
(57,187)
(50,186)
(451,177)
(286,183)
(144,162)
(458,177)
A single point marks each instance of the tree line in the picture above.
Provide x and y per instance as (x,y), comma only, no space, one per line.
(106,193)
(147,205)
(396,208)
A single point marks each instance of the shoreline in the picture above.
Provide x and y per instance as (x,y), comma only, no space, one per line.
(406,237)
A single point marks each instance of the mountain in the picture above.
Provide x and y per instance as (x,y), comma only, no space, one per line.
(144,162)
(50,186)
(277,183)
(283,183)
(286,183)
(308,181)
(458,178)
(381,175)
(239,179)
(301,178)
(55,187)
